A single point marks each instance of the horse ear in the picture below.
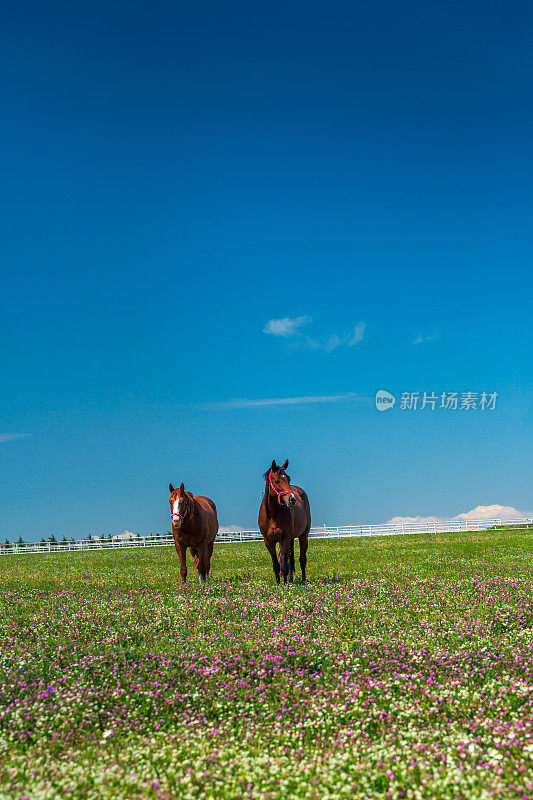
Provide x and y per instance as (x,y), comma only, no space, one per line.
(182,487)
(286,464)
(171,488)
(273,465)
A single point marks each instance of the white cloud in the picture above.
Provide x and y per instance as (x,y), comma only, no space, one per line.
(230,529)
(358,333)
(330,344)
(421,339)
(334,340)
(7,437)
(277,401)
(126,535)
(479,512)
(287,326)
(412,520)
(491,512)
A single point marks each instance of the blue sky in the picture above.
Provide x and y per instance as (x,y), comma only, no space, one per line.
(175,178)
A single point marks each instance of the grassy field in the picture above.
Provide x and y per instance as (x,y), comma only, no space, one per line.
(403,669)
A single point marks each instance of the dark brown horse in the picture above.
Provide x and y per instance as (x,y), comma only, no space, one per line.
(284,516)
(194,526)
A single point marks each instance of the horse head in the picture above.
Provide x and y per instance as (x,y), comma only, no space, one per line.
(279,484)
(180,504)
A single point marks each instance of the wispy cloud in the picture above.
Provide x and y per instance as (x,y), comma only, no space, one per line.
(422,339)
(358,334)
(287,326)
(334,340)
(290,326)
(277,401)
(8,437)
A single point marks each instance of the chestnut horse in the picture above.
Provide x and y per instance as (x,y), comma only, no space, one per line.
(284,516)
(194,526)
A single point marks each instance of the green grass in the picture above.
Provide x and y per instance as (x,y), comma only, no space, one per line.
(394,557)
(402,669)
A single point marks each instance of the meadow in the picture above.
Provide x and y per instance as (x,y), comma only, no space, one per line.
(402,669)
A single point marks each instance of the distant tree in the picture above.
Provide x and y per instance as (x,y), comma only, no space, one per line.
(7,543)
(52,539)
(64,540)
(21,542)
(43,540)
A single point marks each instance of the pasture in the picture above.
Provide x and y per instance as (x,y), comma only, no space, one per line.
(402,669)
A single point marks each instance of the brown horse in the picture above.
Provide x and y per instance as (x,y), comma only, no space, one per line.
(194,526)
(284,516)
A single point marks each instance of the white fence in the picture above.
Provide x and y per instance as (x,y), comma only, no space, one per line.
(234,537)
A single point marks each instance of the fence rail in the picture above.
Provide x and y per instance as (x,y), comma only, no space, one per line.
(235,537)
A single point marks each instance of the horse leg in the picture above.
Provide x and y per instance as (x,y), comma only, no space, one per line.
(284,559)
(203,563)
(182,552)
(209,555)
(194,553)
(292,567)
(304,544)
(274,556)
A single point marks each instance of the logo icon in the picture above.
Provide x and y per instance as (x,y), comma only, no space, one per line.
(384,400)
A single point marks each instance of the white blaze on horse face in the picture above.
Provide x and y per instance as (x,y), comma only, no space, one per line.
(176,517)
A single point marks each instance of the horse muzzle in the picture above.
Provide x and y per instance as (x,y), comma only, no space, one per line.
(291,500)
(177,520)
